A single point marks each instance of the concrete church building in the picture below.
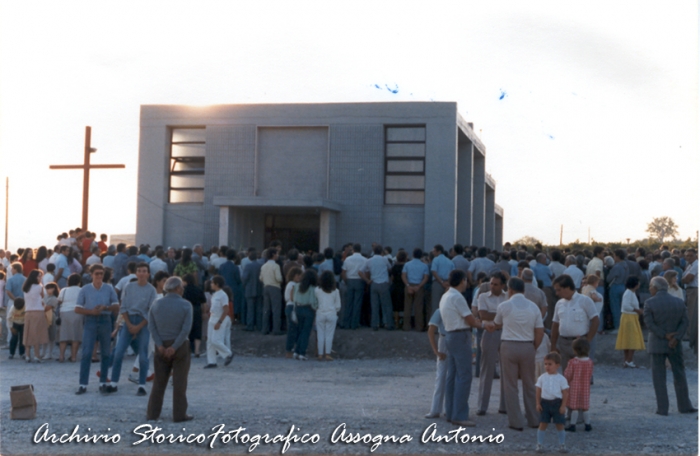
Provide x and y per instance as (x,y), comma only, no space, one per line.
(405,174)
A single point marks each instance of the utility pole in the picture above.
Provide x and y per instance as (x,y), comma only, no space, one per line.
(561,236)
(7,205)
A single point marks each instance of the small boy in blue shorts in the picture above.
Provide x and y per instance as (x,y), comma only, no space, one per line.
(552,397)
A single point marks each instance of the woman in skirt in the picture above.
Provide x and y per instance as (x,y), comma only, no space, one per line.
(629,337)
(71,322)
(36,328)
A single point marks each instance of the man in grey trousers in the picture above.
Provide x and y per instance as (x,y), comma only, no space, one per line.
(667,320)
(271,277)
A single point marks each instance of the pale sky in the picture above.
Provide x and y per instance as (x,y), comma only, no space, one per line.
(589,110)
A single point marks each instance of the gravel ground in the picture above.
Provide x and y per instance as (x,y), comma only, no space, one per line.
(269,395)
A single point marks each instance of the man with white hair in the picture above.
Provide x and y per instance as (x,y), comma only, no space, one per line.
(667,320)
(169,322)
(573,271)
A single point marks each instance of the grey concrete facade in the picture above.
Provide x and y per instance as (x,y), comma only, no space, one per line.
(316,171)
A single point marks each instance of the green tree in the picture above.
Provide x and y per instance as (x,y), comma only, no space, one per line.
(662,228)
(527,240)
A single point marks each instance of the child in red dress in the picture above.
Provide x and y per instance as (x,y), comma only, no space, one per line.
(578,374)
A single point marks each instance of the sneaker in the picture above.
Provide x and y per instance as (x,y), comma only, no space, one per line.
(302,358)
(571,428)
(134,378)
(37,360)
(28,359)
(295,356)
(589,428)
(562,448)
(81,390)
(431,416)
(539,448)
(141,391)
(210,366)
(630,364)
(228,360)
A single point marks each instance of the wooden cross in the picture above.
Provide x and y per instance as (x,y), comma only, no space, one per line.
(86,167)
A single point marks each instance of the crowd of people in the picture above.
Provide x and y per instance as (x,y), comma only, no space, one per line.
(529,308)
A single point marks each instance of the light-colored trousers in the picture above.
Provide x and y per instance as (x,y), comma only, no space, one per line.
(217,340)
(518,360)
(325,330)
(440,376)
(490,344)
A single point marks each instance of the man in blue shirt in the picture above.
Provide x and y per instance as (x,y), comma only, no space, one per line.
(97,301)
(441,268)
(480,264)
(13,286)
(120,260)
(414,275)
(544,276)
(377,276)
(62,269)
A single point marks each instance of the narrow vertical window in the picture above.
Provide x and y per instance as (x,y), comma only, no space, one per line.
(187,150)
(404,165)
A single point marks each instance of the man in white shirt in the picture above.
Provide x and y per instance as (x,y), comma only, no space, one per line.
(158,264)
(458,319)
(575,316)
(573,271)
(690,279)
(490,341)
(354,276)
(271,277)
(523,331)
(94,258)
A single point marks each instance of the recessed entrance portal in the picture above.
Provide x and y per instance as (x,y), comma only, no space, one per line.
(300,231)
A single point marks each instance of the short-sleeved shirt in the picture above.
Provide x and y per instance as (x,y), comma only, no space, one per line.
(557,268)
(353,265)
(32,299)
(14,285)
(415,270)
(436,320)
(552,386)
(519,317)
(443,266)
(461,263)
(453,309)
(90,297)
(490,302)
(576,274)
(218,301)
(481,264)
(574,315)
(62,263)
(543,274)
(137,299)
(595,265)
(68,297)
(378,267)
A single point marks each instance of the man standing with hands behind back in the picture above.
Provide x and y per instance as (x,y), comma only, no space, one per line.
(169,322)
(667,320)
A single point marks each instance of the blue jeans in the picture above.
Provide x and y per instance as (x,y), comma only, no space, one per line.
(96,328)
(305,315)
(616,292)
(138,342)
(353,303)
(459,375)
(380,295)
(292,329)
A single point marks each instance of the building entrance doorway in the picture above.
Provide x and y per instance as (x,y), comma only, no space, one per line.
(298,231)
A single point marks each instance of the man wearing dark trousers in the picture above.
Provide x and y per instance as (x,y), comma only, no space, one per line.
(667,320)
(169,322)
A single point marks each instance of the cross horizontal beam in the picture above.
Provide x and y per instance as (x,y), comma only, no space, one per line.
(85,166)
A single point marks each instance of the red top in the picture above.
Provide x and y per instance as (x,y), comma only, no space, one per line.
(103,246)
(28,266)
(86,243)
(578,374)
